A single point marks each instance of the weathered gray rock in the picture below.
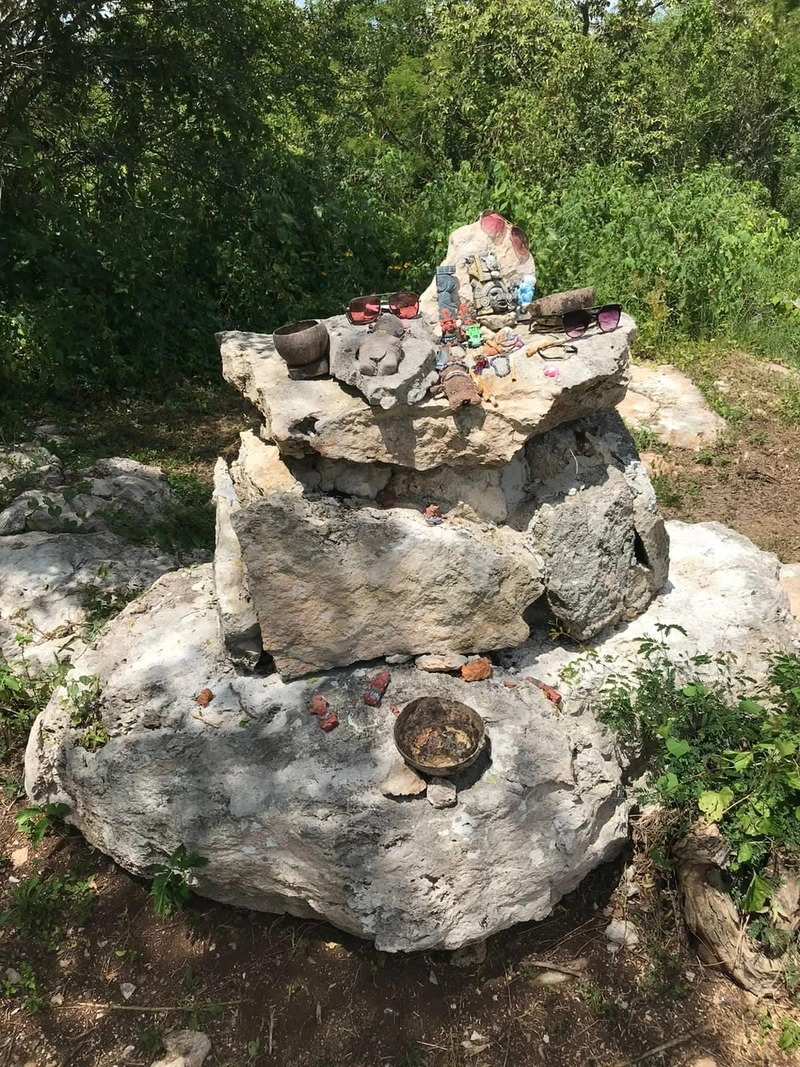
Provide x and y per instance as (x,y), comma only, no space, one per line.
(259,469)
(319,416)
(66,556)
(117,494)
(592,517)
(666,402)
(239,630)
(293,819)
(464,243)
(50,585)
(790,580)
(333,585)
(28,461)
(416,372)
(723,591)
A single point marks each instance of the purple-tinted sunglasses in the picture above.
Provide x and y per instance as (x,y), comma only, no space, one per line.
(576,323)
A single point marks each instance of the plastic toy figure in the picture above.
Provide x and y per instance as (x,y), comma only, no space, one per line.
(525,292)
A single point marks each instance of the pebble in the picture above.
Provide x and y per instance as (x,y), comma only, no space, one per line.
(127,989)
(395,661)
(477,670)
(442,793)
(402,781)
(622,932)
(19,857)
(13,976)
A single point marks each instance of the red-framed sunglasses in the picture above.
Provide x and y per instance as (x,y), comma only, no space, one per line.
(363,310)
(493,223)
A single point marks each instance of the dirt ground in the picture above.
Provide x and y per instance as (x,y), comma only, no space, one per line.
(275,990)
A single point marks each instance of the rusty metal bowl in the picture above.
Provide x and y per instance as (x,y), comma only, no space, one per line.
(439,737)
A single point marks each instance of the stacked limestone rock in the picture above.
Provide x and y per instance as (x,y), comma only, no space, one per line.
(548,512)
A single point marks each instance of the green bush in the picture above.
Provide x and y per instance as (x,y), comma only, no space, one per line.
(724,754)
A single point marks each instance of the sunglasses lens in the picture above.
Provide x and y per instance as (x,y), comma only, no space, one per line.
(492,223)
(364,309)
(608,317)
(404,305)
(575,323)
(519,239)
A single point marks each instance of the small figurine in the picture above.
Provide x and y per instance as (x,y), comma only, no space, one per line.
(451,331)
(525,293)
(377,687)
(381,350)
(447,289)
(473,336)
(433,515)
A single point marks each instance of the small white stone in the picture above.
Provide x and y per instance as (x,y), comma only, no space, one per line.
(127,989)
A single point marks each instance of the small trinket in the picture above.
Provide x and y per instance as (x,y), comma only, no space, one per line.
(377,687)
(318,705)
(328,719)
(433,515)
(552,694)
(552,372)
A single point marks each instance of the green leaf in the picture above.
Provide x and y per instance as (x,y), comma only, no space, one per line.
(745,853)
(751,707)
(785,747)
(668,784)
(694,689)
(792,778)
(676,747)
(757,894)
(742,760)
(713,804)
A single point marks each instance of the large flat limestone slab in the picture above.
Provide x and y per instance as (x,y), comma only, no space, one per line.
(663,400)
(294,820)
(320,416)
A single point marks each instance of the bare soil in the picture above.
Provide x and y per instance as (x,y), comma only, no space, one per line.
(750,480)
(275,990)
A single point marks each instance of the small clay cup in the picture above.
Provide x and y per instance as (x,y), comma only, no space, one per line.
(304,347)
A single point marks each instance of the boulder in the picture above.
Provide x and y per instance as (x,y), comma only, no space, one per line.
(66,557)
(53,585)
(293,819)
(723,593)
(319,416)
(333,585)
(464,243)
(593,520)
(114,494)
